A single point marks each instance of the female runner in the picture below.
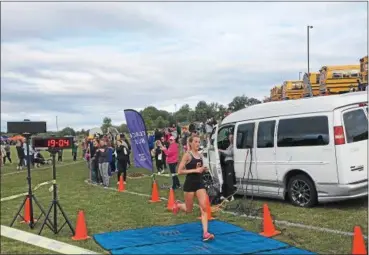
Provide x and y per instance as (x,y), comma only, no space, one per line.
(192,166)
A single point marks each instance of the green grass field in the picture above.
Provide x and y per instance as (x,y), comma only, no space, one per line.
(107,210)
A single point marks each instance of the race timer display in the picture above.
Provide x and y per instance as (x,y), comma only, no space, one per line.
(53,142)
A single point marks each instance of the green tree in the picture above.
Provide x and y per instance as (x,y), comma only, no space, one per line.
(123,128)
(221,112)
(67,131)
(106,124)
(160,122)
(150,125)
(184,114)
(201,111)
(241,102)
(150,112)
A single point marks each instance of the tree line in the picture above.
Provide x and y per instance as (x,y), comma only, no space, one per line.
(156,118)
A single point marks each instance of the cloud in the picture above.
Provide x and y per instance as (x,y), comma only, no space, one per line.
(84,61)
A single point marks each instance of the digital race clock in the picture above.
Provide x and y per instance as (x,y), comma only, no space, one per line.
(53,142)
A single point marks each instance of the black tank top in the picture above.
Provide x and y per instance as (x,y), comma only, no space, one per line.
(193,164)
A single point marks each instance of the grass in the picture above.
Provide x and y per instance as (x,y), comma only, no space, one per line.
(107,210)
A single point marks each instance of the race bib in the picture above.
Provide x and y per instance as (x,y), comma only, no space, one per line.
(160,156)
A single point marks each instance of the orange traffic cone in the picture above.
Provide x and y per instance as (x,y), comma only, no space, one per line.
(208,210)
(171,200)
(81,228)
(121,186)
(155,193)
(358,243)
(269,229)
(27,212)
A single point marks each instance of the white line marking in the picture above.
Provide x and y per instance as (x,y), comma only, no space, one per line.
(42,168)
(281,222)
(43,242)
(26,193)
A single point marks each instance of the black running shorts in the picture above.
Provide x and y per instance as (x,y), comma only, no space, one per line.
(193,186)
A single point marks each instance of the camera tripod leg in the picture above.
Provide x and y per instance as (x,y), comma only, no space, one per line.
(40,207)
(66,218)
(18,212)
(47,219)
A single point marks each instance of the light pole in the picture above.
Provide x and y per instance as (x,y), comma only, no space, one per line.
(308,47)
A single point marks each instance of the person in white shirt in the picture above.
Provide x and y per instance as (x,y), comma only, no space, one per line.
(31,152)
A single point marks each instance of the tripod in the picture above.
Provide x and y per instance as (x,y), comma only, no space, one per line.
(31,197)
(53,224)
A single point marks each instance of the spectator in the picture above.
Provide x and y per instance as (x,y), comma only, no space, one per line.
(21,155)
(84,148)
(94,167)
(7,153)
(30,158)
(104,163)
(158,134)
(113,159)
(124,139)
(166,145)
(229,176)
(110,156)
(122,157)
(151,141)
(60,155)
(158,154)
(39,159)
(178,132)
(2,153)
(172,160)
(74,150)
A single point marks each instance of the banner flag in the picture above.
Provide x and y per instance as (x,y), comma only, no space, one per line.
(139,139)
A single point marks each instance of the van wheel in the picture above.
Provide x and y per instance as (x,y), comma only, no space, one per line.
(301,191)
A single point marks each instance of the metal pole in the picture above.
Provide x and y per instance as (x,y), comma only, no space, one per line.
(56,119)
(30,196)
(308,48)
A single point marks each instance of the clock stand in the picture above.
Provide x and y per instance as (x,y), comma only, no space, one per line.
(30,196)
(55,205)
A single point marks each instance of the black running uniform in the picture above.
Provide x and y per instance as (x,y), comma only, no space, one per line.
(193,181)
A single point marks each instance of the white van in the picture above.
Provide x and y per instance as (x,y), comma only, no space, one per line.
(309,150)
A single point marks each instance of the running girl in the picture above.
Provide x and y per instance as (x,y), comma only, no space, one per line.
(192,166)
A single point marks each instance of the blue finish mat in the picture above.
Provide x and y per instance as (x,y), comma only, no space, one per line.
(186,239)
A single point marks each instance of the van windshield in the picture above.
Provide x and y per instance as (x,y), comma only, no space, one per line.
(356,125)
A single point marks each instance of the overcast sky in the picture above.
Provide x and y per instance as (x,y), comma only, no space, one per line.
(84,61)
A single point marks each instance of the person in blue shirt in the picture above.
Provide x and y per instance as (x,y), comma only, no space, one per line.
(151,140)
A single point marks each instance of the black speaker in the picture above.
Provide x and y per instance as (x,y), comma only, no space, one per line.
(31,127)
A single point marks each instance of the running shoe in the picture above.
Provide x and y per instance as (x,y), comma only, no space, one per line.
(207,236)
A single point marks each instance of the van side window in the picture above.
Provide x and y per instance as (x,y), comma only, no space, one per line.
(356,126)
(245,136)
(307,131)
(266,134)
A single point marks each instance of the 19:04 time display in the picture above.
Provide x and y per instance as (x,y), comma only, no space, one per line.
(60,143)
(54,142)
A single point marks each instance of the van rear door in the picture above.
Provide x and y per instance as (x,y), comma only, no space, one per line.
(352,149)
(211,158)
